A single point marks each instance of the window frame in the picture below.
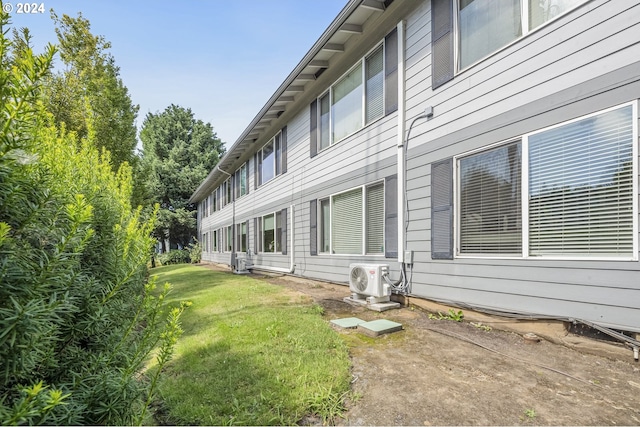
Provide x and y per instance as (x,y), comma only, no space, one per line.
(227,239)
(277,240)
(277,142)
(524,183)
(205,242)
(363,111)
(524,28)
(240,174)
(320,220)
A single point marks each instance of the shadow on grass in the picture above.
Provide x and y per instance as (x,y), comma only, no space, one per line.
(215,385)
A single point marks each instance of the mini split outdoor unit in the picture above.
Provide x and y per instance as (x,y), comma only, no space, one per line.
(366,280)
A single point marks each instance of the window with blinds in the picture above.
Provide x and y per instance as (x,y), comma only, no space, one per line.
(346,223)
(581,187)
(374,86)
(353,222)
(346,104)
(325,132)
(490,201)
(355,100)
(578,194)
(374,211)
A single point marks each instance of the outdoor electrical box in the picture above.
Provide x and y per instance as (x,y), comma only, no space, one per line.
(408,257)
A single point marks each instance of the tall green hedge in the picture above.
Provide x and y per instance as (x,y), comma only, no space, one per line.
(77,317)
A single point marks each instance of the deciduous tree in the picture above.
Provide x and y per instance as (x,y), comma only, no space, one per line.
(88,94)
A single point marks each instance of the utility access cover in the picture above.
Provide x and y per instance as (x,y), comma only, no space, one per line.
(379,327)
(347,323)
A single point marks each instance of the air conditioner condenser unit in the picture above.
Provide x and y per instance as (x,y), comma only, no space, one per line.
(367,280)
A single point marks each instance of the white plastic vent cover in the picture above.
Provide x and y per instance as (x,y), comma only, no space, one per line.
(366,279)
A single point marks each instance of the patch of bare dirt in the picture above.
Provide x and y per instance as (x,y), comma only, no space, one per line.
(441,372)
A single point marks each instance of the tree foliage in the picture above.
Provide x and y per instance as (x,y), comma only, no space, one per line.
(77,317)
(88,95)
(179,152)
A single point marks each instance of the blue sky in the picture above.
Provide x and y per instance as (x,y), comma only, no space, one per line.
(222,59)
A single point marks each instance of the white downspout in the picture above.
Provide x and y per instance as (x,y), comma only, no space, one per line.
(233,216)
(400,153)
(292,258)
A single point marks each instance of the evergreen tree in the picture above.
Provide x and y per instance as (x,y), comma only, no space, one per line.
(179,151)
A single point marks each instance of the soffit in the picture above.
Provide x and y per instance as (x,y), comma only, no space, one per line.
(348,26)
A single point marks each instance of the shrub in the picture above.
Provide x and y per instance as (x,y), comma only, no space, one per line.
(175,256)
(77,317)
(195,253)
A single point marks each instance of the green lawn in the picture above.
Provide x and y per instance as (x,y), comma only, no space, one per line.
(251,354)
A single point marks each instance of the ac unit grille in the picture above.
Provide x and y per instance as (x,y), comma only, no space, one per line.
(359,279)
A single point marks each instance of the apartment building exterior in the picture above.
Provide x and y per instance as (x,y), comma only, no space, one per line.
(487,152)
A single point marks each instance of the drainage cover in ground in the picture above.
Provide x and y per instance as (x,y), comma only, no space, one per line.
(379,327)
(347,323)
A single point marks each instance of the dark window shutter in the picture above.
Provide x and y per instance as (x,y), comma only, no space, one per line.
(259,168)
(391,216)
(246,179)
(259,234)
(236,247)
(284,149)
(442,209)
(233,238)
(283,243)
(255,171)
(220,240)
(246,236)
(232,183)
(391,72)
(313,229)
(255,235)
(313,129)
(441,42)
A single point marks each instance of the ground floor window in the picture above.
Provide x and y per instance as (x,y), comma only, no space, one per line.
(490,201)
(352,222)
(564,191)
(271,232)
(241,237)
(228,239)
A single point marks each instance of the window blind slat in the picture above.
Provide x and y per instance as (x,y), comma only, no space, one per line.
(491,220)
(375,219)
(581,187)
(374,87)
(346,227)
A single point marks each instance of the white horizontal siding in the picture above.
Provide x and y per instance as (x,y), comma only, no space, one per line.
(506,94)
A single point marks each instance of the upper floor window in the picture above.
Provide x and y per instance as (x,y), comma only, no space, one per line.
(241,178)
(271,159)
(229,193)
(354,101)
(481,27)
(487,25)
